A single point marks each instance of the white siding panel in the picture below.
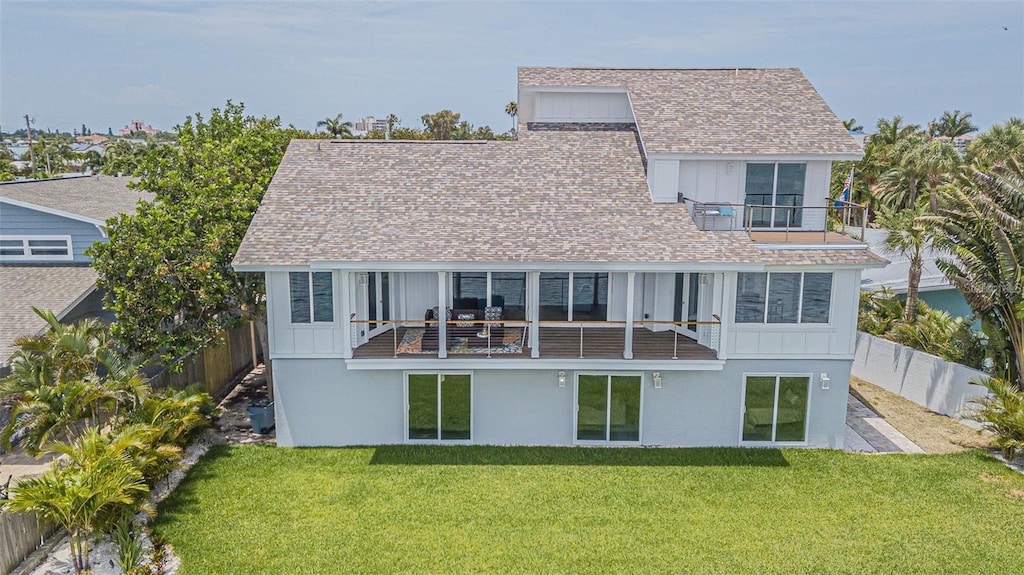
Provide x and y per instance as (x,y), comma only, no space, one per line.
(582,107)
(664,181)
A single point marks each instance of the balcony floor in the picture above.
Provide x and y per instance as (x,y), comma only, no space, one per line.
(801,237)
(562,343)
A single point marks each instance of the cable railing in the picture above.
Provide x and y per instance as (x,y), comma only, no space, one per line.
(839,215)
(484,331)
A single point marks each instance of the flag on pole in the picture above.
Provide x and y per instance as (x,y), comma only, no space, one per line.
(844,196)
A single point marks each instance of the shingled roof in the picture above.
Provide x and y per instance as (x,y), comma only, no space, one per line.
(551,197)
(735,111)
(52,288)
(97,198)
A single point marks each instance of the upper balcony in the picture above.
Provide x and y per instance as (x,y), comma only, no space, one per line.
(784,224)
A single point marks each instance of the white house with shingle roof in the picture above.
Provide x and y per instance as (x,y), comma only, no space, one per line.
(651,263)
(45,228)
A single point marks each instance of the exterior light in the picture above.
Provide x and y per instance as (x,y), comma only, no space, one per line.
(824,380)
(657,379)
(561,379)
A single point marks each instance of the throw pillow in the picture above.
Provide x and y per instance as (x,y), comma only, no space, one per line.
(492,312)
(468,316)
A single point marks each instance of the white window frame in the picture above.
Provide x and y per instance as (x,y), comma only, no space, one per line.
(608,412)
(800,301)
(439,375)
(312,309)
(26,249)
(775,191)
(775,409)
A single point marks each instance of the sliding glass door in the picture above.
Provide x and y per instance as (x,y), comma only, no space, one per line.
(574,296)
(439,406)
(608,408)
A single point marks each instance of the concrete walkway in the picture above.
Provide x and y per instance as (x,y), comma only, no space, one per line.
(867,432)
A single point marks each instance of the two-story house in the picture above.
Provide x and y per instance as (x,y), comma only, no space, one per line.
(45,228)
(650,263)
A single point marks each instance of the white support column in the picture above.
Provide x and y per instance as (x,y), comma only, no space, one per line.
(533,278)
(728,288)
(345,283)
(627,352)
(442,315)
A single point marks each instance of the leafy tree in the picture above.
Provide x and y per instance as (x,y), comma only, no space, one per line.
(166,269)
(408,134)
(996,146)
(392,123)
(123,157)
(983,231)
(953,124)
(903,181)
(938,162)
(336,127)
(908,235)
(442,125)
(851,125)
(891,132)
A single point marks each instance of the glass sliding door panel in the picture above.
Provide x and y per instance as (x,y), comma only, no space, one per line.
(371,299)
(625,408)
(589,296)
(455,406)
(791,420)
(759,404)
(783,297)
(469,290)
(385,295)
(790,192)
(759,188)
(508,290)
(592,408)
(423,406)
(554,296)
(677,308)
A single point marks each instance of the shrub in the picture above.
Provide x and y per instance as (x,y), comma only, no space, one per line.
(1001,412)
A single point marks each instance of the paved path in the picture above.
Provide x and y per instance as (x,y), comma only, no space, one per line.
(867,432)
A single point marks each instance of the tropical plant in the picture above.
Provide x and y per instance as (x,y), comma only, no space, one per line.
(1001,413)
(84,493)
(392,123)
(130,552)
(983,231)
(851,125)
(891,132)
(953,124)
(441,125)
(938,163)
(880,311)
(908,235)
(903,181)
(997,146)
(512,109)
(336,127)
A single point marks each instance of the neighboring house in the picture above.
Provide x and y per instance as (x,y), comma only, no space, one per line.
(647,265)
(45,228)
(934,289)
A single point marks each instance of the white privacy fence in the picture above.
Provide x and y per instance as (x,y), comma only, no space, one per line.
(941,386)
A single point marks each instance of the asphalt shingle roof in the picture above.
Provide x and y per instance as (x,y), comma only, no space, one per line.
(549,197)
(735,111)
(46,287)
(94,197)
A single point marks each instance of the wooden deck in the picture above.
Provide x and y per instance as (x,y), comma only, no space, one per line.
(800,237)
(563,342)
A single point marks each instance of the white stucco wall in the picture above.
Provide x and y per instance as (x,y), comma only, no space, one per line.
(319,402)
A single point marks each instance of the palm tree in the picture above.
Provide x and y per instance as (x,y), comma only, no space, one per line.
(392,122)
(851,125)
(953,124)
(938,163)
(908,235)
(894,131)
(512,109)
(336,127)
(903,181)
(983,231)
(995,146)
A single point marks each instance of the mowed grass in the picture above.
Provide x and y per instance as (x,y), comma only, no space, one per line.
(427,509)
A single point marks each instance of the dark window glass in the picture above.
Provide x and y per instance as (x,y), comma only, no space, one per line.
(554,296)
(750,292)
(469,286)
(691,302)
(625,408)
(758,408)
(817,297)
(508,291)
(759,185)
(589,296)
(791,416)
(298,288)
(423,400)
(455,406)
(323,297)
(592,408)
(783,297)
(371,300)
(385,295)
(790,192)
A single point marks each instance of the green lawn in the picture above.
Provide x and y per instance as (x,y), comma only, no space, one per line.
(424,509)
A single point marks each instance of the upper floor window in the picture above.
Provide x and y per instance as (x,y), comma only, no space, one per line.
(783,297)
(36,248)
(312,296)
(776,186)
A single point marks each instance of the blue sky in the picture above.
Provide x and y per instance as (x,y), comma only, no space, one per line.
(104,63)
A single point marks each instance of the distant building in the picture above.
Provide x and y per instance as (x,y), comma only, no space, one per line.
(91,139)
(959,142)
(860,136)
(137,126)
(369,123)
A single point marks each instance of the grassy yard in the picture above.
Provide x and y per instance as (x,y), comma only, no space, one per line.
(423,509)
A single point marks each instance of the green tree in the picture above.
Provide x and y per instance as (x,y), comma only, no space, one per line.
(983,231)
(336,127)
(938,163)
(953,124)
(512,109)
(904,180)
(442,125)
(851,125)
(166,269)
(392,123)
(999,144)
(908,234)
(891,132)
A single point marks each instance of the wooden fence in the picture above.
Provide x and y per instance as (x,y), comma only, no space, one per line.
(214,367)
(20,535)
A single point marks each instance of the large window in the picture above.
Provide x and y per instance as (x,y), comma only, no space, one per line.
(574,296)
(35,248)
(608,407)
(440,406)
(775,408)
(779,185)
(506,290)
(783,297)
(312,296)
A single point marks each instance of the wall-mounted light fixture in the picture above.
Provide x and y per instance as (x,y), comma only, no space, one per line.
(657,379)
(730,167)
(824,380)
(561,379)
(362,278)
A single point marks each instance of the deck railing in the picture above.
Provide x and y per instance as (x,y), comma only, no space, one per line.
(708,332)
(839,216)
